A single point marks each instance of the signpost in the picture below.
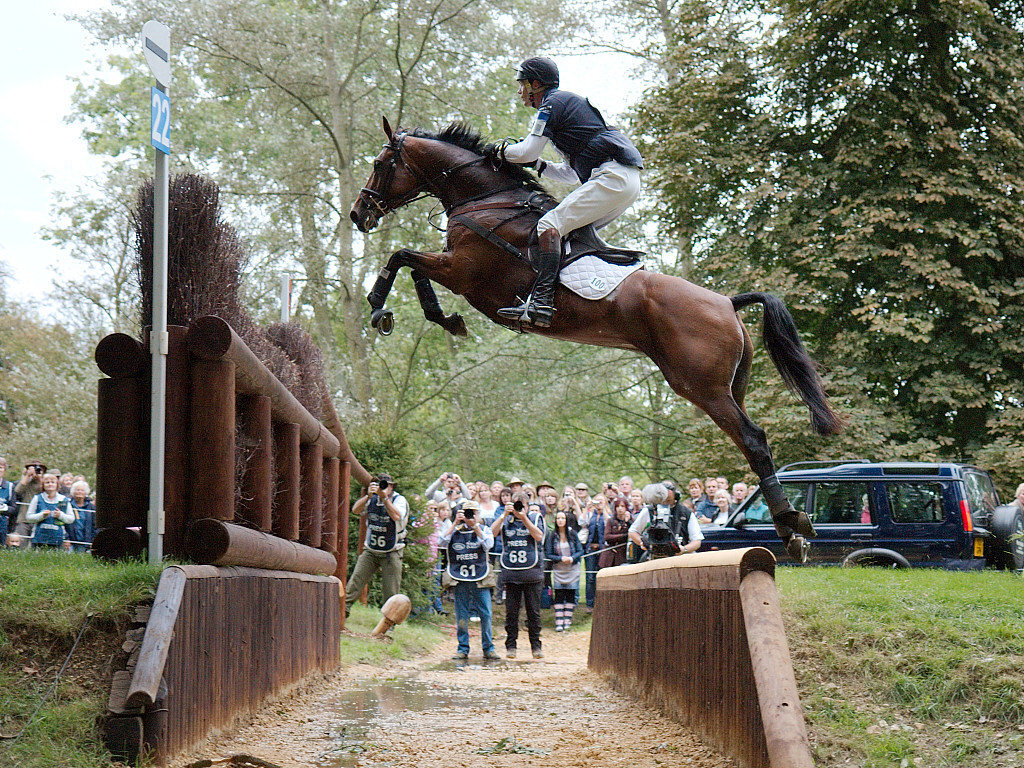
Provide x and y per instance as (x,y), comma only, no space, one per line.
(156,47)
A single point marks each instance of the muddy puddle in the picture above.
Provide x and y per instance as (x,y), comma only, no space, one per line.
(385,703)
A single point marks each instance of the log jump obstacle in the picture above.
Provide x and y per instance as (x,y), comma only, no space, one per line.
(254,483)
(708,648)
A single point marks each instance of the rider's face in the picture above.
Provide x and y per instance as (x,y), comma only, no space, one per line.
(529,94)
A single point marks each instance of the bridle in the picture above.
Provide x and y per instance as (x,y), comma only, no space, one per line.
(378,203)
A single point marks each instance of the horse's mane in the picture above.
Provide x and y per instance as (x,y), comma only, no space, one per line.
(464,135)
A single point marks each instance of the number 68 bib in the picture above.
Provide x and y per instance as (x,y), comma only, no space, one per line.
(520,551)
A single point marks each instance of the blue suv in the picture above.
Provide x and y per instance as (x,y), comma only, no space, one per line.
(897,515)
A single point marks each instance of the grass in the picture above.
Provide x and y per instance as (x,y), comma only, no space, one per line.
(410,638)
(908,668)
(46,597)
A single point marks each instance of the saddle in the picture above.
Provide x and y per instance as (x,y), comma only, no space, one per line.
(586,242)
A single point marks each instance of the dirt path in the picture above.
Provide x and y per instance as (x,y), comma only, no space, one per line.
(429,713)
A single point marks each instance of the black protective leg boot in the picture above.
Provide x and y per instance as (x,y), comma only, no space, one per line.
(539,307)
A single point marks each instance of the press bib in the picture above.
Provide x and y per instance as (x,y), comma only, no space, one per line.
(467,557)
(520,551)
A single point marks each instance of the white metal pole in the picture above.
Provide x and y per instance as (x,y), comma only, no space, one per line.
(158,345)
(286,298)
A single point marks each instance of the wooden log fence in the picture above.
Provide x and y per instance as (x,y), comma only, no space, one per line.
(217,642)
(224,407)
(708,647)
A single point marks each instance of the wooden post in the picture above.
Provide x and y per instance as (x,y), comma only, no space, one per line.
(781,712)
(330,531)
(257,434)
(212,440)
(176,463)
(286,500)
(122,452)
(343,513)
(311,459)
(157,641)
(214,542)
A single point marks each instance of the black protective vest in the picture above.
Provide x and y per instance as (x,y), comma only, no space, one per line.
(520,551)
(381,530)
(467,558)
(580,133)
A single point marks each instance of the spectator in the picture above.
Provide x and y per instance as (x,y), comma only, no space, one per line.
(1018,497)
(433,524)
(563,551)
(739,493)
(65,483)
(570,504)
(696,490)
(467,543)
(616,534)
(48,511)
(31,485)
(723,507)
(83,529)
(487,517)
(723,483)
(582,494)
(448,487)
(636,502)
(599,517)
(8,504)
(386,513)
(488,505)
(496,487)
(548,499)
(515,485)
(522,566)
(706,510)
(681,521)
(757,512)
(625,485)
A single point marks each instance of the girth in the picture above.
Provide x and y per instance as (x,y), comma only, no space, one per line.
(581,242)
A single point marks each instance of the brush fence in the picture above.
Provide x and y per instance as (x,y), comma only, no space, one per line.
(700,637)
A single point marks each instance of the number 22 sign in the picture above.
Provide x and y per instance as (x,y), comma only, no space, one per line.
(160,122)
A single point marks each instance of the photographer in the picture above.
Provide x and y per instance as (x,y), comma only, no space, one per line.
(31,485)
(386,513)
(664,526)
(467,543)
(448,488)
(522,565)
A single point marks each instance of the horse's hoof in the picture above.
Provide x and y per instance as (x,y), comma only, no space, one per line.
(798,548)
(383,320)
(793,522)
(455,325)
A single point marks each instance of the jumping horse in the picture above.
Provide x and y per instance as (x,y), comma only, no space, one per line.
(692,334)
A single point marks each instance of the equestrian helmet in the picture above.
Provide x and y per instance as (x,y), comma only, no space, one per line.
(539,68)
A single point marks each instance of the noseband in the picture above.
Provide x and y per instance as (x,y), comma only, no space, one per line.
(427,186)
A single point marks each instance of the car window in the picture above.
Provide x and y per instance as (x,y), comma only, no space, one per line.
(916,502)
(756,510)
(981,496)
(842,503)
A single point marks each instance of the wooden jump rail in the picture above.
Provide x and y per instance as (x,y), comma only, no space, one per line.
(217,642)
(707,646)
(221,400)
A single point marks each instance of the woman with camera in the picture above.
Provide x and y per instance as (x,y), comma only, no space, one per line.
(467,543)
(563,551)
(522,567)
(386,513)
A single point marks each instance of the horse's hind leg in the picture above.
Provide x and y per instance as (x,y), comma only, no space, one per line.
(452,323)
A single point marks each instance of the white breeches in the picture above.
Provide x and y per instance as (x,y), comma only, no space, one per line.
(611,189)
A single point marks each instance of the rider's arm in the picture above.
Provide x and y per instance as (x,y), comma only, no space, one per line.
(525,151)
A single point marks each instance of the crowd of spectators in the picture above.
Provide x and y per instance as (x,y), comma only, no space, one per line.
(582,532)
(46,508)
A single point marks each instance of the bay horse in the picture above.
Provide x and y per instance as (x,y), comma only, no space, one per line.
(694,335)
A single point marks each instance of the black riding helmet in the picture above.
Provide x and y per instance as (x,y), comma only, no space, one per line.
(539,68)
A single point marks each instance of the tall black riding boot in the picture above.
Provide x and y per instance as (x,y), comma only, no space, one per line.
(539,307)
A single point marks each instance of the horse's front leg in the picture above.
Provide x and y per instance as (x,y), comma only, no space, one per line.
(452,323)
(382,319)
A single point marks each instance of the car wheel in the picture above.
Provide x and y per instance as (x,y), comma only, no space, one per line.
(877,558)
(1008,526)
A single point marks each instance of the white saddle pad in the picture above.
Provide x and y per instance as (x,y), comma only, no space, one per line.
(593,278)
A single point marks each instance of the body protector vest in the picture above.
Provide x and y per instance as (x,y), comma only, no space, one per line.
(467,557)
(50,530)
(580,133)
(520,551)
(382,533)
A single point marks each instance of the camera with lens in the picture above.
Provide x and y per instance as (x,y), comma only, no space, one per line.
(660,538)
(383,481)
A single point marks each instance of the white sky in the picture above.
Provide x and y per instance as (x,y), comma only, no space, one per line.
(41,154)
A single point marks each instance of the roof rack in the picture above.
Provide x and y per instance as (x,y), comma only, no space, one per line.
(834,463)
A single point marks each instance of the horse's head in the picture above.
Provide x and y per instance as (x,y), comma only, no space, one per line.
(391,185)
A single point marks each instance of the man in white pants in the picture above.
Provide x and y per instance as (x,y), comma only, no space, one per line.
(598,156)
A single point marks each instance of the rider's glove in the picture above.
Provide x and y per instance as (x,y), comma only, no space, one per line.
(495,150)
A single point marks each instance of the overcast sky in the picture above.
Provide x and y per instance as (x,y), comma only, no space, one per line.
(40,51)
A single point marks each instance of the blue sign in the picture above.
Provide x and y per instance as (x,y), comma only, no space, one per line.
(160,120)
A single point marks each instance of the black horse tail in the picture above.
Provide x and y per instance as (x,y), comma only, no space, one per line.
(798,369)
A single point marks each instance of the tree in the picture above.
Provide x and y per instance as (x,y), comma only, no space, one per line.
(866,161)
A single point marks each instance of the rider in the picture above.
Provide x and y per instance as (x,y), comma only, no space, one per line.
(599,157)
